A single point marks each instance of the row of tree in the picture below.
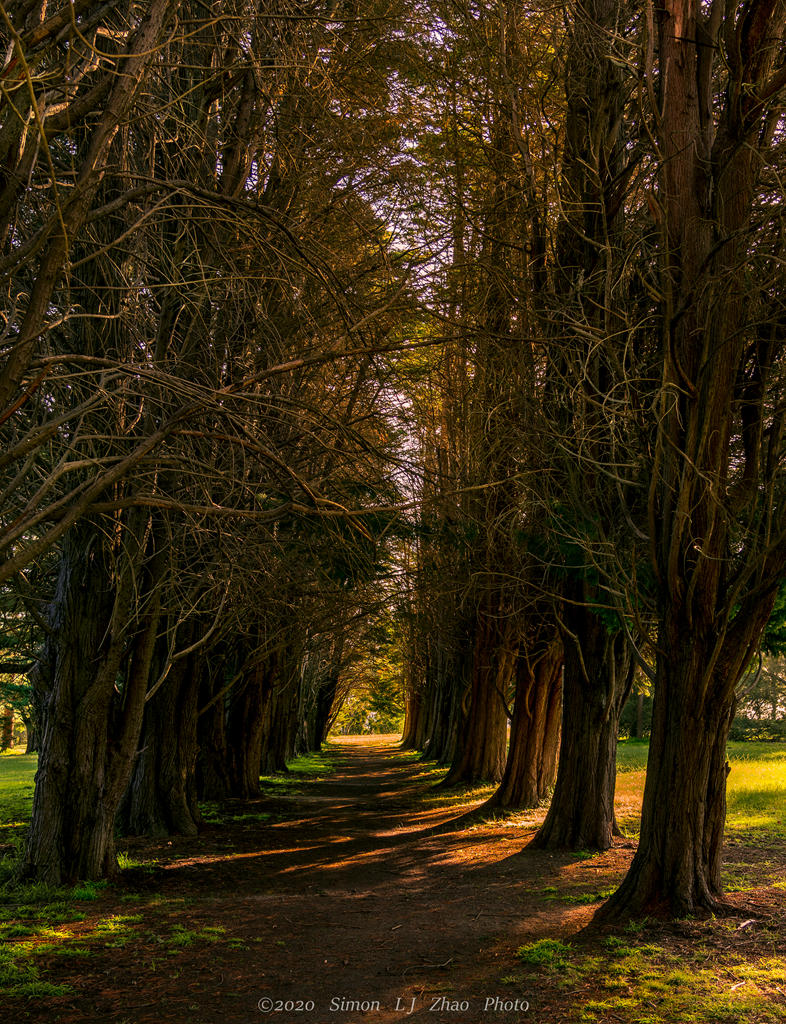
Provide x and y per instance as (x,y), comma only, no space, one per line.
(202,303)
(608,443)
(465,319)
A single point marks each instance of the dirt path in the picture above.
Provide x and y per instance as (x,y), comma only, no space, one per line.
(351,909)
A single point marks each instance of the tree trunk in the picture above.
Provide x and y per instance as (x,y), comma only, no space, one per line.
(40,678)
(413,713)
(319,677)
(326,696)
(482,750)
(713,551)
(33,740)
(534,736)
(7,729)
(279,724)
(415,667)
(90,731)
(161,796)
(677,865)
(639,734)
(450,672)
(597,679)
(246,729)
(212,771)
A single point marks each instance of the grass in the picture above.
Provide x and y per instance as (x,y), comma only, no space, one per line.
(756,790)
(625,980)
(709,979)
(458,797)
(577,894)
(16,779)
(37,930)
(19,975)
(34,923)
(545,953)
(300,770)
(181,937)
(126,862)
(305,768)
(28,941)
(17,773)
(632,756)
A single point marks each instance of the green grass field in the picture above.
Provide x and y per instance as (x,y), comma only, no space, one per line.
(756,792)
(17,774)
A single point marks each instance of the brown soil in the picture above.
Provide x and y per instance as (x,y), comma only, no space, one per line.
(357,897)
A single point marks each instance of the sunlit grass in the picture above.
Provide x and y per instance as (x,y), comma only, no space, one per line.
(630,982)
(127,862)
(17,774)
(643,983)
(19,974)
(756,788)
(632,756)
(455,798)
(304,768)
(756,792)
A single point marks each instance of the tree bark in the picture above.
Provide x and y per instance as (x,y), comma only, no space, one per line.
(246,729)
(413,712)
(90,730)
(325,698)
(7,730)
(482,749)
(212,771)
(597,679)
(279,721)
(639,733)
(318,693)
(676,869)
(161,796)
(415,694)
(449,682)
(713,556)
(33,739)
(534,736)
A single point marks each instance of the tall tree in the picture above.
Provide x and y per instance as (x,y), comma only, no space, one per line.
(718,548)
(590,312)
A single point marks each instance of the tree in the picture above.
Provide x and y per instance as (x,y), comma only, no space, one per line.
(588,312)
(716,484)
(485,383)
(531,766)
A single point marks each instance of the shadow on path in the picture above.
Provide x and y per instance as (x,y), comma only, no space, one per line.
(351,905)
